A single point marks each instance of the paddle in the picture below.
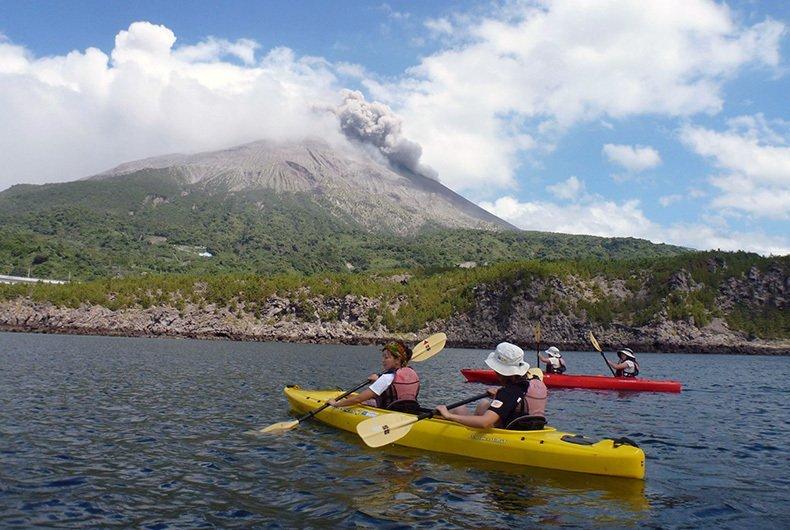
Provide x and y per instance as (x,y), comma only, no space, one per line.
(388,428)
(537,344)
(421,352)
(598,347)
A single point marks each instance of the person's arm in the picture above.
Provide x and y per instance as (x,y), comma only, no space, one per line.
(618,366)
(486,421)
(544,359)
(353,400)
(380,384)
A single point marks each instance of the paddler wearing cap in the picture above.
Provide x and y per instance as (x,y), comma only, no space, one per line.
(627,367)
(517,404)
(395,389)
(555,364)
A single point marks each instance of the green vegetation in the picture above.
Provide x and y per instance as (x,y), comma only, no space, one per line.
(436,293)
(134,241)
(154,222)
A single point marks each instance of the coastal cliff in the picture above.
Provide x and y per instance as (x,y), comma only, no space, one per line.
(714,304)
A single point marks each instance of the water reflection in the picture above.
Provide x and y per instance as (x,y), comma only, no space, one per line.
(401,484)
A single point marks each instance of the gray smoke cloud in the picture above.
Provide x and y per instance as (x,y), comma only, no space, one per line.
(373,123)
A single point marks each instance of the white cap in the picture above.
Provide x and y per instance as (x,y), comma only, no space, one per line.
(554,352)
(628,352)
(507,359)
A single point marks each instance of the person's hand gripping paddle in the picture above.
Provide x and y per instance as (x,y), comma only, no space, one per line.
(598,347)
(388,428)
(423,351)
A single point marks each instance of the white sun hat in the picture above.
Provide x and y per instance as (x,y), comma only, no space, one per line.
(507,359)
(554,352)
(628,352)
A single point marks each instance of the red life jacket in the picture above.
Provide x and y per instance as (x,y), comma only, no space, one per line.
(531,403)
(536,398)
(405,386)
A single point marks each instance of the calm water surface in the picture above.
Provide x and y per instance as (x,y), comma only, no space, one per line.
(118,432)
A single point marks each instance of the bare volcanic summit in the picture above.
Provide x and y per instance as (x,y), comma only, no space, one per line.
(348,181)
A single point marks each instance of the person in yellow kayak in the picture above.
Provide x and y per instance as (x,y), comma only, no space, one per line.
(396,388)
(520,404)
(555,364)
(627,367)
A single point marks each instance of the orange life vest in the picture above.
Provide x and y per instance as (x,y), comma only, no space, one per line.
(536,398)
(405,386)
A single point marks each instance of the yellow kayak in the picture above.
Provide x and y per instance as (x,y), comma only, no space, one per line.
(547,448)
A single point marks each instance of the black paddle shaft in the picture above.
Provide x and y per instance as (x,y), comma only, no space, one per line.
(325,405)
(607,364)
(430,414)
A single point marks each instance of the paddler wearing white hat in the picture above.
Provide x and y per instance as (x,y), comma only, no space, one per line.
(521,395)
(555,364)
(627,367)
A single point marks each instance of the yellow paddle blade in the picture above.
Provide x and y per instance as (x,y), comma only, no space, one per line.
(429,347)
(535,372)
(277,428)
(385,429)
(594,342)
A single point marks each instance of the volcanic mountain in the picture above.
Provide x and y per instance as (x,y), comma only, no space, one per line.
(266,207)
(346,182)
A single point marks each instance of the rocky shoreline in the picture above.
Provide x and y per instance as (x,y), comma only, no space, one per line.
(723,316)
(482,327)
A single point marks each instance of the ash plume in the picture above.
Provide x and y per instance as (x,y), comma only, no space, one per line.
(373,123)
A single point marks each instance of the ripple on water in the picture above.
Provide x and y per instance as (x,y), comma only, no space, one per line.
(149,433)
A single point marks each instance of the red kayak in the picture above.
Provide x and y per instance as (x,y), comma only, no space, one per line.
(596,382)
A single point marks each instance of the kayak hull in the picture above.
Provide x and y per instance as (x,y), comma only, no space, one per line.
(545,448)
(594,382)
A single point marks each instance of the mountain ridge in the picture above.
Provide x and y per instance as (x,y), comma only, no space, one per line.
(353,181)
(139,218)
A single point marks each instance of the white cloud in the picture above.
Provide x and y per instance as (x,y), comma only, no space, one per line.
(667,200)
(536,68)
(393,14)
(637,158)
(353,70)
(73,115)
(214,49)
(568,189)
(607,125)
(439,26)
(601,217)
(755,164)
(597,218)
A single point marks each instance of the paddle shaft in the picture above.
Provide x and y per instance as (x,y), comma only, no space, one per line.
(325,405)
(425,415)
(537,345)
(609,365)
(389,428)
(598,347)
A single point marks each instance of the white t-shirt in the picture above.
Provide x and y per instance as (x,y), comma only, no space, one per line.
(555,362)
(382,383)
(629,368)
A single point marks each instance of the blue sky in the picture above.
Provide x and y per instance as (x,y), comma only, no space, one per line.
(663,120)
